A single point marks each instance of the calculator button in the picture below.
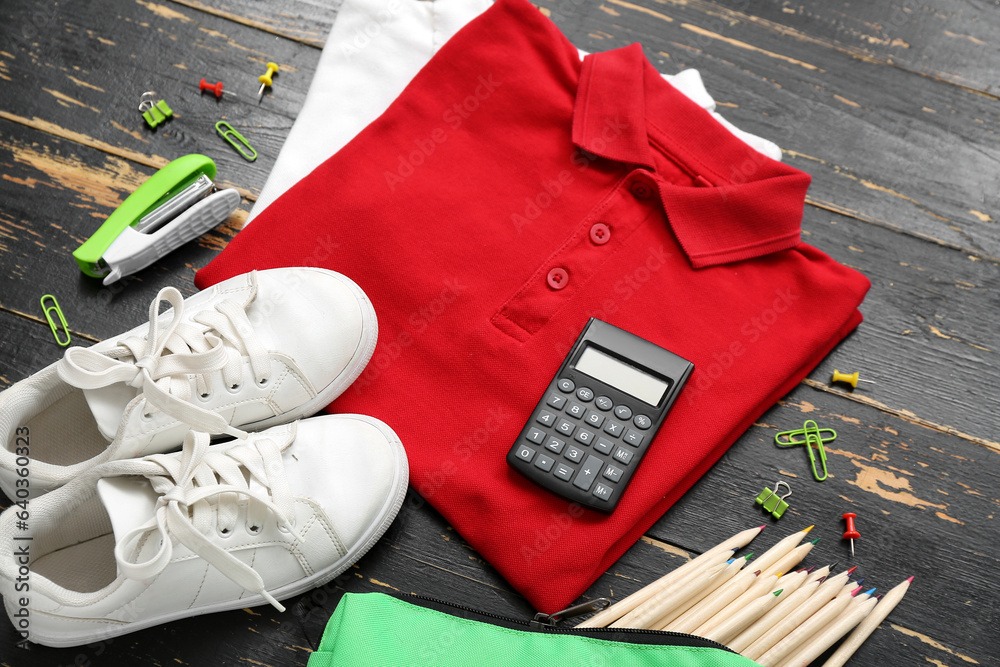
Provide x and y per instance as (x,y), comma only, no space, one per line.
(545,462)
(584,436)
(575,409)
(584,394)
(525,453)
(556,401)
(565,385)
(595,419)
(623,412)
(603,403)
(604,446)
(623,455)
(603,491)
(545,417)
(614,473)
(563,471)
(535,435)
(574,454)
(614,428)
(633,438)
(554,444)
(588,473)
(642,421)
(565,427)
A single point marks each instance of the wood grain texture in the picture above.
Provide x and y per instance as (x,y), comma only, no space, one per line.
(110,52)
(880,142)
(946,41)
(903,154)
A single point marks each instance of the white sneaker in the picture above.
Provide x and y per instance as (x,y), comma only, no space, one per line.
(254,351)
(133,544)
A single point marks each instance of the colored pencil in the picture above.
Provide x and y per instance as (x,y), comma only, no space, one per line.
(794,595)
(704,610)
(788,562)
(731,571)
(828,636)
(872,621)
(759,587)
(652,609)
(807,627)
(619,609)
(735,624)
(827,591)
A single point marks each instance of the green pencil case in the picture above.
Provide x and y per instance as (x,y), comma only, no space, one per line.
(377,630)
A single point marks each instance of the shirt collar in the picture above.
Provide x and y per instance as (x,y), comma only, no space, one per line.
(739,204)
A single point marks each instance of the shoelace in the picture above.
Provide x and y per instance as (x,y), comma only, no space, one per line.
(163,378)
(203,484)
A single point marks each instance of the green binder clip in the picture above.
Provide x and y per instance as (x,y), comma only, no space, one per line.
(813,438)
(772,502)
(154,113)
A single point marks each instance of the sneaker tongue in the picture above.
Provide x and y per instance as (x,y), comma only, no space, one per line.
(108,405)
(129,501)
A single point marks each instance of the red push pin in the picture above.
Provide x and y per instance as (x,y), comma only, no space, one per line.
(851,534)
(215,88)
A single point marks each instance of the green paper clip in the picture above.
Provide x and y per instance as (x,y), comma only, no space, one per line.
(228,133)
(772,502)
(813,439)
(56,330)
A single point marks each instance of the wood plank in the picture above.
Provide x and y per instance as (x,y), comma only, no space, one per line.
(883,145)
(28,346)
(949,41)
(304,21)
(88,89)
(56,193)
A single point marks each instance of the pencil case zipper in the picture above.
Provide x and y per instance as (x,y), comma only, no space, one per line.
(545,623)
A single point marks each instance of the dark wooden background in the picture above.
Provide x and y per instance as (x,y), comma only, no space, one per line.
(891,106)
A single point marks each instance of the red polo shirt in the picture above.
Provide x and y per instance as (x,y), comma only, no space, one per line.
(509,194)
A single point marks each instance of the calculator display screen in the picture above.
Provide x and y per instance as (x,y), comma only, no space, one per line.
(623,377)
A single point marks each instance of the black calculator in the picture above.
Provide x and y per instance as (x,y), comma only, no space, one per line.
(599,415)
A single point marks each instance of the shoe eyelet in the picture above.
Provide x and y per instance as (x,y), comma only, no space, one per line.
(283,528)
(224,533)
(205,397)
(264,382)
(234,388)
(254,530)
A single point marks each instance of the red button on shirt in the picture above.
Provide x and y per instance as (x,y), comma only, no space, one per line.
(641,190)
(502,199)
(557,278)
(600,234)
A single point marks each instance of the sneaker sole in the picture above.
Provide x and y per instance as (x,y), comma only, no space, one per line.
(390,508)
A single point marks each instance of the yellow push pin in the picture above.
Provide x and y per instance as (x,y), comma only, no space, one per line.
(265,79)
(851,379)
